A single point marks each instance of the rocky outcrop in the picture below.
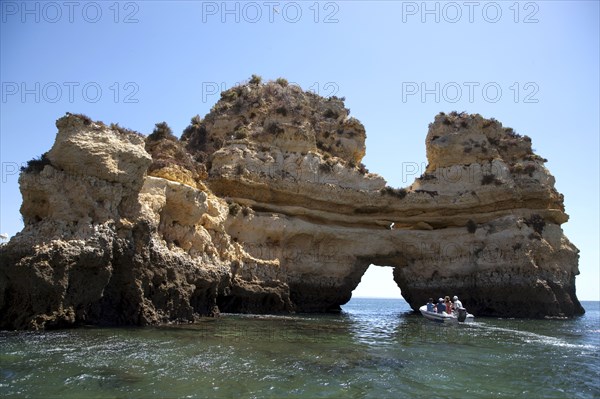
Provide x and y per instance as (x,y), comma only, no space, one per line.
(264,206)
(106,244)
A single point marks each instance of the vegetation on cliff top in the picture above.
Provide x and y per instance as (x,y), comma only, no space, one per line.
(36,165)
(169,152)
(257,112)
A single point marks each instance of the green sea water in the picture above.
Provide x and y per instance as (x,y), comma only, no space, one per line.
(376,348)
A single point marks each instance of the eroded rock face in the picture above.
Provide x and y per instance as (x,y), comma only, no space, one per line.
(264,207)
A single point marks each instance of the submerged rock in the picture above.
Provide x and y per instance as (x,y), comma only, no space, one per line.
(264,207)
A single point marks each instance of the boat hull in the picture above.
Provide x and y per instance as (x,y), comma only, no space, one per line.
(442,317)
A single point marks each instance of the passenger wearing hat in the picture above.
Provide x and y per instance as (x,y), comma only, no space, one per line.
(441,308)
(457,303)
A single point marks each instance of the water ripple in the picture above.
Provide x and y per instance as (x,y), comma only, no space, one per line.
(372,350)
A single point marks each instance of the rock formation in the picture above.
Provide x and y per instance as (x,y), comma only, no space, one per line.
(263,206)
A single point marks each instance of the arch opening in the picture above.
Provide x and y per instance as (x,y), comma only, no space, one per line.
(377,282)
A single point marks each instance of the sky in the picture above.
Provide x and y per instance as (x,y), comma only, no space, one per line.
(532,65)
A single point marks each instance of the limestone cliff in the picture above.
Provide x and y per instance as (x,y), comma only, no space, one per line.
(264,206)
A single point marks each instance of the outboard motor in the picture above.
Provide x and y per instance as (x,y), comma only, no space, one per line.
(462,314)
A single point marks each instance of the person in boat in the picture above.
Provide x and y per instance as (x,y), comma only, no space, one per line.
(430,305)
(457,304)
(448,304)
(440,308)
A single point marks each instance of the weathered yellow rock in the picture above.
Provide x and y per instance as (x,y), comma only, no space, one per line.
(287,219)
(93,149)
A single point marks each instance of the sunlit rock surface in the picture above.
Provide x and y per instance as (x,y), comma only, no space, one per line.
(264,206)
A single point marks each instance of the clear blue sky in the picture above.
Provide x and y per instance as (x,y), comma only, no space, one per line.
(532,65)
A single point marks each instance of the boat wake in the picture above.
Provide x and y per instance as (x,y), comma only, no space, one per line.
(531,337)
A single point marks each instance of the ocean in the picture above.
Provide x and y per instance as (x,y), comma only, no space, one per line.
(376,348)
